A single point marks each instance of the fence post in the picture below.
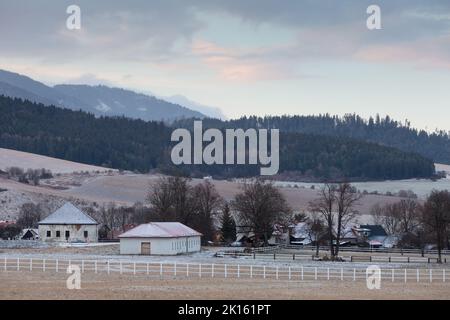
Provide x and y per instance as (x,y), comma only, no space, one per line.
(293,256)
(389,259)
(274,256)
(408,259)
(254,255)
(351,258)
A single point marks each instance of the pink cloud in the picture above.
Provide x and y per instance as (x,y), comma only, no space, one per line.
(239,65)
(432,53)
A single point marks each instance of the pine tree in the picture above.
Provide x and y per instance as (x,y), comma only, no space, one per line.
(228,228)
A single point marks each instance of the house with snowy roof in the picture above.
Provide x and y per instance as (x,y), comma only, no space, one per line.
(160,238)
(68,224)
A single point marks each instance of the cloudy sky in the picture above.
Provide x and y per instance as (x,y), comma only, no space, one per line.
(245,56)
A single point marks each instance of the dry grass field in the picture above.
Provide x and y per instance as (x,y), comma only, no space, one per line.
(25,160)
(52,286)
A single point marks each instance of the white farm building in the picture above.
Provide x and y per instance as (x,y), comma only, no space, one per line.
(68,224)
(160,238)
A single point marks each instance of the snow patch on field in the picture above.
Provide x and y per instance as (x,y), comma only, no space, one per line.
(12,158)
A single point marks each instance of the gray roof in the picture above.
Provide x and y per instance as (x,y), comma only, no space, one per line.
(68,214)
(160,230)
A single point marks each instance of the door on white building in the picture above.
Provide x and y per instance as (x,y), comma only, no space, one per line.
(145,248)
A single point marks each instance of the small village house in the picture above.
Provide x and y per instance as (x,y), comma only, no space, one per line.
(29,234)
(160,238)
(68,224)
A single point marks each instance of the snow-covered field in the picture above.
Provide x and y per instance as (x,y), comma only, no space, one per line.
(25,160)
(443,167)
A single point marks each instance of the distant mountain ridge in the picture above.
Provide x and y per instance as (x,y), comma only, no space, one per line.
(211,112)
(99,100)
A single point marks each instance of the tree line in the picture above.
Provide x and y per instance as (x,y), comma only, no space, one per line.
(381,130)
(136,145)
(417,224)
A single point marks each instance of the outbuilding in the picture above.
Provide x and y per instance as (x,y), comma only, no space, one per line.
(160,238)
(68,224)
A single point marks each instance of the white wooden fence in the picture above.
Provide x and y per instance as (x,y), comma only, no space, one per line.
(350,258)
(232,271)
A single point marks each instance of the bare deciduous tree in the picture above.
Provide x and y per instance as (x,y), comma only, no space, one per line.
(174,199)
(316,231)
(436,217)
(336,204)
(401,218)
(29,215)
(171,199)
(207,203)
(346,199)
(324,205)
(260,206)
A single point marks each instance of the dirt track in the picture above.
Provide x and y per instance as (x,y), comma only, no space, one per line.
(36,285)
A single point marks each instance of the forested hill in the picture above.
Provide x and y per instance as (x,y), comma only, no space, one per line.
(384,131)
(137,145)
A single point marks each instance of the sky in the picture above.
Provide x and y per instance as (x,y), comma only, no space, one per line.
(246,57)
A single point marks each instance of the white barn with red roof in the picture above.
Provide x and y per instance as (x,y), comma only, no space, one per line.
(160,238)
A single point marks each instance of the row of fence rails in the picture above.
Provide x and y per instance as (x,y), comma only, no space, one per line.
(235,271)
(266,249)
(306,257)
(363,249)
(265,256)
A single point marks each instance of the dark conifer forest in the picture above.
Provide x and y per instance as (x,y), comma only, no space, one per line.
(320,147)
